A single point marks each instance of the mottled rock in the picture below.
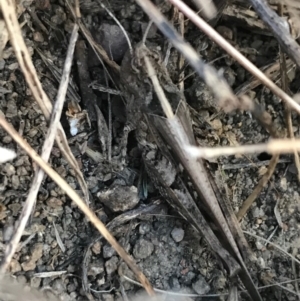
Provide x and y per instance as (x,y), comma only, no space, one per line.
(111,265)
(201,286)
(143,249)
(108,251)
(177,234)
(119,198)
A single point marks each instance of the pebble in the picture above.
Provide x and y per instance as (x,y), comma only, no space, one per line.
(283,183)
(119,198)
(111,265)
(174,284)
(201,287)
(144,228)
(112,40)
(177,234)
(107,297)
(58,286)
(108,251)
(225,32)
(143,249)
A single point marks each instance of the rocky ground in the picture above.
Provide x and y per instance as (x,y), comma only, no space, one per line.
(169,252)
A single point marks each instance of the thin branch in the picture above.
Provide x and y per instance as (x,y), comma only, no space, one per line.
(158,89)
(261,184)
(274,146)
(46,151)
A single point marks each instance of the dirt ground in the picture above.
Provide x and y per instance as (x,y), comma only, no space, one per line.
(167,249)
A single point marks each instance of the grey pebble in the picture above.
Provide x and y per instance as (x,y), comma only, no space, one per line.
(177,234)
(119,198)
(201,286)
(143,249)
(174,284)
(111,265)
(108,251)
(58,286)
(144,228)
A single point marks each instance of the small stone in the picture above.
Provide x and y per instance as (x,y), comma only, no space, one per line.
(2,64)
(32,132)
(119,198)
(144,228)
(259,245)
(112,39)
(108,251)
(111,265)
(15,208)
(13,66)
(177,234)
(96,268)
(36,254)
(35,282)
(201,287)
(96,248)
(107,297)
(8,169)
(38,37)
(14,266)
(174,284)
(283,183)
(143,249)
(58,286)
(216,124)
(15,181)
(7,139)
(53,202)
(225,32)
(259,221)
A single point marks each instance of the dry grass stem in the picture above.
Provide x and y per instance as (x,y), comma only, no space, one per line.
(216,37)
(261,184)
(46,151)
(274,146)
(30,74)
(158,89)
(79,202)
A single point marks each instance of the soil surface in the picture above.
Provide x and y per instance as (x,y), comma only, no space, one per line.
(167,249)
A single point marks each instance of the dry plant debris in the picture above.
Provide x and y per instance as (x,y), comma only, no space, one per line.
(119,158)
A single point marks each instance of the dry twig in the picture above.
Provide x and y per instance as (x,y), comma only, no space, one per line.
(46,151)
(274,146)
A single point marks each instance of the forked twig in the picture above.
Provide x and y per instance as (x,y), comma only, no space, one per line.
(78,201)
(216,37)
(46,151)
